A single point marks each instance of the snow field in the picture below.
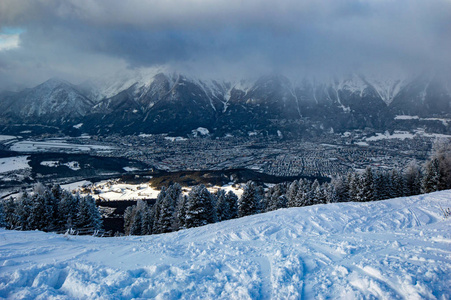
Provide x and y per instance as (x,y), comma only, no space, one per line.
(7,137)
(8,164)
(113,190)
(393,249)
(50,145)
(401,135)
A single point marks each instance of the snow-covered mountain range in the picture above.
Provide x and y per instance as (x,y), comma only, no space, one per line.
(157,101)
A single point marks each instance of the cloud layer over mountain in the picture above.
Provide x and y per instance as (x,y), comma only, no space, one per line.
(75,39)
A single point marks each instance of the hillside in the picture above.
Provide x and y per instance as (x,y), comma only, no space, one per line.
(392,249)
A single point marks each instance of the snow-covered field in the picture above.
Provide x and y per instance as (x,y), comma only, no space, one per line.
(8,164)
(7,137)
(113,190)
(402,135)
(406,117)
(73,165)
(393,249)
(51,145)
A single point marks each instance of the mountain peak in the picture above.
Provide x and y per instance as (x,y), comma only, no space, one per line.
(54,82)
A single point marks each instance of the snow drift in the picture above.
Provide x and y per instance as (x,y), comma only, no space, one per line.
(398,248)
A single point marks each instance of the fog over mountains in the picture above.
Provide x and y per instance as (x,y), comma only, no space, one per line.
(174,103)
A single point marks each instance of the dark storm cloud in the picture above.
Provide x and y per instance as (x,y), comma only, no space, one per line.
(90,37)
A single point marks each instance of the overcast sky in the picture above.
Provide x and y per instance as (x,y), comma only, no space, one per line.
(78,39)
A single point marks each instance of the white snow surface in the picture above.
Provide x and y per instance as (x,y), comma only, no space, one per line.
(73,165)
(387,85)
(7,137)
(402,135)
(50,145)
(76,185)
(444,121)
(112,190)
(406,117)
(392,249)
(175,138)
(8,164)
(114,84)
(200,131)
(50,163)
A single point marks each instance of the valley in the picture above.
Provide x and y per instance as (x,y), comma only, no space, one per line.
(62,159)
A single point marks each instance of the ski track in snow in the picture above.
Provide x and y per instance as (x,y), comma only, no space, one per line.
(393,249)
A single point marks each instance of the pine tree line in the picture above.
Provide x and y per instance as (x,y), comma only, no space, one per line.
(49,209)
(173,211)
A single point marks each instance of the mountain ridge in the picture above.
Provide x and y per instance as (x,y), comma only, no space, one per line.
(174,103)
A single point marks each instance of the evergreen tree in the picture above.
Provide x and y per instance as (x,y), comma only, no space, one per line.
(303,196)
(41,212)
(431,179)
(2,215)
(378,185)
(354,186)
(315,193)
(175,191)
(292,192)
(397,184)
(128,219)
(43,209)
(136,219)
(321,193)
(199,207)
(166,214)
(56,194)
(146,221)
(387,187)
(331,193)
(412,177)
(9,210)
(156,209)
(180,213)
(164,219)
(265,200)
(341,186)
(276,198)
(259,197)
(232,199)
(367,192)
(135,227)
(88,215)
(248,203)
(442,152)
(22,212)
(67,211)
(222,206)
(57,191)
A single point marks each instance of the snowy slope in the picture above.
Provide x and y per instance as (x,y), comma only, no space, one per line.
(387,86)
(394,249)
(52,97)
(112,85)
